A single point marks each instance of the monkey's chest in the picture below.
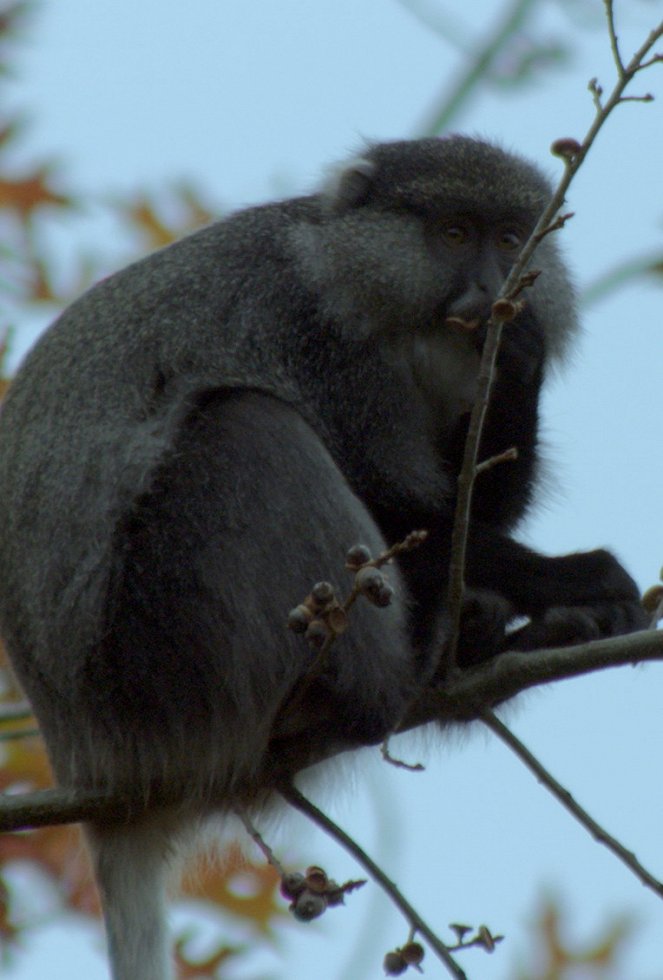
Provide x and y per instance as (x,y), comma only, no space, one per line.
(444,368)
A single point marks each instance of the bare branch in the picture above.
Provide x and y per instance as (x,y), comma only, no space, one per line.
(572,162)
(614,42)
(469,692)
(260,841)
(49,807)
(656,59)
(567,801)
(466,695)
(299,802)
(508,456)
(478,65)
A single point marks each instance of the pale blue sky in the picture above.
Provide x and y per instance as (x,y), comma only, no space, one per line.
(253,99)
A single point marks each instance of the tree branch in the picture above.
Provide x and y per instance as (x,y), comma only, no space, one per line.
(465,697)
(573,154)
(568,802)
(478,65)
(301,803)
(469,692)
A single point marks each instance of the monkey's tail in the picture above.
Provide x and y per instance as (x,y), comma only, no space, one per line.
(131,866)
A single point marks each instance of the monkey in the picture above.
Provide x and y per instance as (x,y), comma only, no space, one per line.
(200,437)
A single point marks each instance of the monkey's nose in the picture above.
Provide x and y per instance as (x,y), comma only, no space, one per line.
(473,304)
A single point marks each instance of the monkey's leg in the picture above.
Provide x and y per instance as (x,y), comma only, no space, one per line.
(186,685)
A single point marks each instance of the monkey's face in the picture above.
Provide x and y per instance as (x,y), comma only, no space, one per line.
(413,235)
(477,256)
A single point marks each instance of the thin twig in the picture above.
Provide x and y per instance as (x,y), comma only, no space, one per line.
(564,797)
(508,456)
(468,692)
(655,59)
(260,841)
(294,699)
(301,803)
(50,807)
(619,275)
(614,41)
(467,475)
(478,65)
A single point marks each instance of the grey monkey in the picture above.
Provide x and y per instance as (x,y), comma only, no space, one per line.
(200,437)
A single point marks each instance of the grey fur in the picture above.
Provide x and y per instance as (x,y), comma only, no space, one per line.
(195,442)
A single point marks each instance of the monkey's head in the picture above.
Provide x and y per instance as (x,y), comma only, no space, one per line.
(411,233)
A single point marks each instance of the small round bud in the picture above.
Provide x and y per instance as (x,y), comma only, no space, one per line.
(316,879)
(394,964)
(323,593)
(369,580)
(308,906)
(460,929)
(486,938)
(292,884)
(505,309)
(357,556)
(567,148)
(316,633)
(414,539)
(337,620)
(299,619)
(413,953)
(383,596)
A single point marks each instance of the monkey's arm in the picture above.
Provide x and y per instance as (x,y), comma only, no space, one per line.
(569,598)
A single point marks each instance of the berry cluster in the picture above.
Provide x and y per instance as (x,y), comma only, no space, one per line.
(321,616)
(398,960)
(312,893)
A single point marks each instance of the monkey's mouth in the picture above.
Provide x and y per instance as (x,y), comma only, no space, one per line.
(462,325)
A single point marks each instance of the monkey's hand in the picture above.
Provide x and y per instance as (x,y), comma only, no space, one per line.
(606,603)
(568,599)
(566,625)
(521,353)
(483,623)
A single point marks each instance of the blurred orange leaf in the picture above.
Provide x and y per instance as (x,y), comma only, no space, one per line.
(190,969)
(240,887)
(11,14)
(28,194)
(561,956)
(158,231)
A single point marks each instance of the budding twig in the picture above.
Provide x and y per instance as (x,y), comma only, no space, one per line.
(301,803)
(573,153)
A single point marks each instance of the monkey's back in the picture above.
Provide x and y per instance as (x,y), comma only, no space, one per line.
(98,416)
(97,401)
(93,411)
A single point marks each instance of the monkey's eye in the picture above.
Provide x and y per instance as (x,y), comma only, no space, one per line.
(455,233)
(509,239)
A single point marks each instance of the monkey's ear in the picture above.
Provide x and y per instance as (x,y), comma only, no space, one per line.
(350,185)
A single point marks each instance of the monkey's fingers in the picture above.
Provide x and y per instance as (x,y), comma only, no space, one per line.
(483,623)
(566,625)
